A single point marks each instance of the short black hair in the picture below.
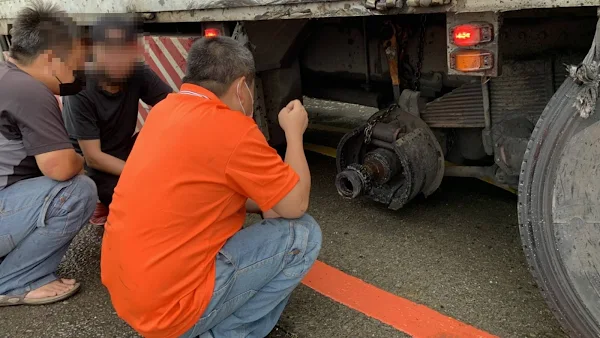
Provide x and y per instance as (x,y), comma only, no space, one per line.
(130,26)
(40,27)
(215,62)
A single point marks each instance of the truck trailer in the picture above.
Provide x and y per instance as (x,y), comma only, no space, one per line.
(505,91)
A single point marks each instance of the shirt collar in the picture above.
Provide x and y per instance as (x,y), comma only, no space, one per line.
(199,90)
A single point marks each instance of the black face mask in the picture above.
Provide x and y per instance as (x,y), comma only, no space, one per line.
(67,89)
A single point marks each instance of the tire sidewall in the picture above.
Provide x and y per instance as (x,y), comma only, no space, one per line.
(535,187)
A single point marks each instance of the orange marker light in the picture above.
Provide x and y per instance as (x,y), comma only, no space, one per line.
(211,32)
(471,60)
(472,34)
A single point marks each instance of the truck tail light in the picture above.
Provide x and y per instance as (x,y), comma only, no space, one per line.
(472,34)
(212,32)
(471,60)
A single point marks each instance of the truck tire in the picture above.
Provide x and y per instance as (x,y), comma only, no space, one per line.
(559,211)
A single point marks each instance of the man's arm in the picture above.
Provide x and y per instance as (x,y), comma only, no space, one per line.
(294,121)
(60,165)
(44,135)
(154,89)
(253,208)
(82,124)
(255,169)
(95,158)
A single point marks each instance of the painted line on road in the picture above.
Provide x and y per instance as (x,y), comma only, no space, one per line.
(323,150)
(411,318)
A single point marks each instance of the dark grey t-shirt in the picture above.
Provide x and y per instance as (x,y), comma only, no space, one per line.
(96,114)
(30,124)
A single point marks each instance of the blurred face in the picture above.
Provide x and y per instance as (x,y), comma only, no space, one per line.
(116,59)
(63,68)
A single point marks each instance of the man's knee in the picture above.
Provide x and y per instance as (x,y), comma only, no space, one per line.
(305,246)
(315,236)
(314,228)
(84,187)
(78,198)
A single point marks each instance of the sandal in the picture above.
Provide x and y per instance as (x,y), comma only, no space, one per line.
(21,300)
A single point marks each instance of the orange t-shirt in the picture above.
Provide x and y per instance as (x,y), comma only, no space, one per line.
(180,197)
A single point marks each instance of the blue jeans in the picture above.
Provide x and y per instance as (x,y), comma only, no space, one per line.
(257,270)
(39,218)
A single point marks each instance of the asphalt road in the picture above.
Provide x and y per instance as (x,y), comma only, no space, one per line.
(457,252)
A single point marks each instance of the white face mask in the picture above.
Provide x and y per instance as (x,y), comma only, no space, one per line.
(240,100)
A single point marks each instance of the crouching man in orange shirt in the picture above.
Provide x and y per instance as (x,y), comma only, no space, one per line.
(175,258)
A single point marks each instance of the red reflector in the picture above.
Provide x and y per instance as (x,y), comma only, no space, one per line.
(472,34)
(212,32)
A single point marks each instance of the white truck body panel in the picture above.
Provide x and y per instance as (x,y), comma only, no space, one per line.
(249,10)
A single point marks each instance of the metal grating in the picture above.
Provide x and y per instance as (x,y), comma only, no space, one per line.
(524,89)
(461,108)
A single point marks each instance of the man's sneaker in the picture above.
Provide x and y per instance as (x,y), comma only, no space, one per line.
(100,214)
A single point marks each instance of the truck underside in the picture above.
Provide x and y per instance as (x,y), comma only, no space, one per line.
(429,115)
(483,125)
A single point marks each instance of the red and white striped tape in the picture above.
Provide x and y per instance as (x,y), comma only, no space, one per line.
(167,56)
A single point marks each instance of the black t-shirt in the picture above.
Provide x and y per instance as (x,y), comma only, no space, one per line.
(97,114)
(30,124)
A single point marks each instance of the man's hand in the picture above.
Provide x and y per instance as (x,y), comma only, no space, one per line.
(293,119)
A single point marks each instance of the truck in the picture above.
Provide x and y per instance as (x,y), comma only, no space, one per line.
(505,91)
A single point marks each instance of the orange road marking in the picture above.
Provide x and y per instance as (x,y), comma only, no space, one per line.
(411,318)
